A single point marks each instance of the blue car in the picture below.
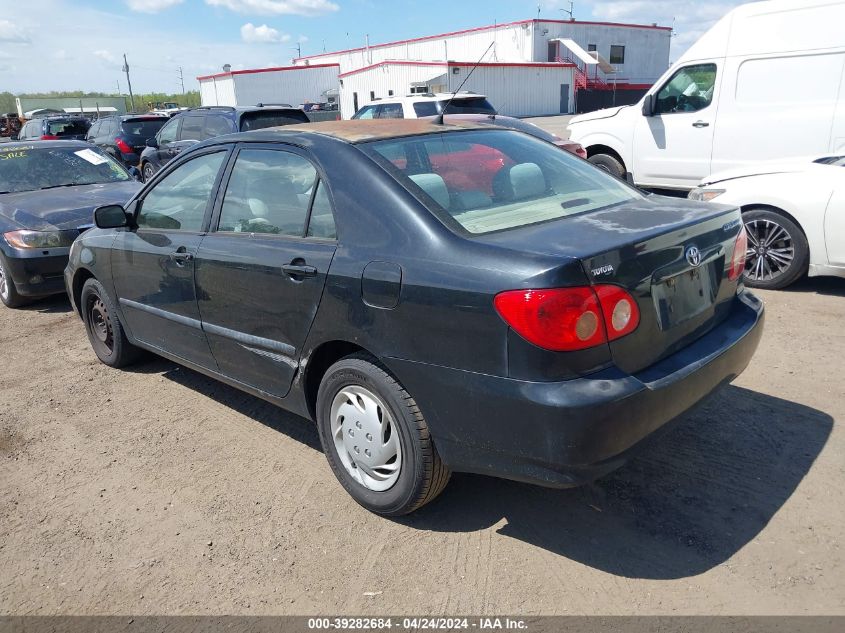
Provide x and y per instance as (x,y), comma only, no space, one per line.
(48,192)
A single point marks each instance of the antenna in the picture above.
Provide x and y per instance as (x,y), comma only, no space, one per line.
(439,119)
(570,11)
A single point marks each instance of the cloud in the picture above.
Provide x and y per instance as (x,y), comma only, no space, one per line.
(13,34)
(151,6)
(307,8)
(106,56)
(263,34)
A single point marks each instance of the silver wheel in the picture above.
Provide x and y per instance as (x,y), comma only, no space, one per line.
(4,283)
(366,438)
(771,250)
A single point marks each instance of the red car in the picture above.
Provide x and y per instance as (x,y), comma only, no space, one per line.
(521,125)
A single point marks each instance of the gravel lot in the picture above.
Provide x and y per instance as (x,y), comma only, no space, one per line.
(159,491)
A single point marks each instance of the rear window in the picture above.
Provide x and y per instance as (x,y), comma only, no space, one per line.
(33,167)
(484,181)
(142,129)
(67,127)
(464,105)
(259,120)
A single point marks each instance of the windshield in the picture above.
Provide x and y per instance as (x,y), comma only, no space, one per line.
(498,179)
(68,128)
(259,120)
(142,129)
(29,168)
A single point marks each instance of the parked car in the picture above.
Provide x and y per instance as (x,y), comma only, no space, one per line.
(196,125)
(724,104)
(125,137)
(794,213)
(52,128)
(48,191)
(417,106)
(523,126)
(350,272)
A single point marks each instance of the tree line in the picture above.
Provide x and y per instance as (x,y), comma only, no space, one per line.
(190,99)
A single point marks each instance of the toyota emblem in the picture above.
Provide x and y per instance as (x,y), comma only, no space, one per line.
(694,256)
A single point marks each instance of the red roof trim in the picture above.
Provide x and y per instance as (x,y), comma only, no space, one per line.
(267,70)
(450,64)
(485,28)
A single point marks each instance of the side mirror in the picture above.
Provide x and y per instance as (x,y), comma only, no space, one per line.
(151,142)
(110,216)
(648,105)
(135,173)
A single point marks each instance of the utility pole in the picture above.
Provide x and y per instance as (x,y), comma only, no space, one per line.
(126,70)
(118,86)
(182,79)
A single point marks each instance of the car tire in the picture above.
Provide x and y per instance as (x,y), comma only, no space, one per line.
(773,239)
(105,331)
(147,172)
(8,291)
(609,164)
(403,471)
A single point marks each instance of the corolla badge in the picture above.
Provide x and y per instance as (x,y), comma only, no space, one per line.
(693,256)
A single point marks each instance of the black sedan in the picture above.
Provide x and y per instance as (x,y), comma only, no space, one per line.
(48,191)
(436,297)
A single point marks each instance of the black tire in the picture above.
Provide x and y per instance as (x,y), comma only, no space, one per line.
(609,164)
(422,474)
(147,172)
(785,239)
(8,292)
(105,331)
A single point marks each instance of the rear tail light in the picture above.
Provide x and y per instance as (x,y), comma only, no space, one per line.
(740,252)
(569,319)
(49,137)
(621,314)
(580,151)
(123,146)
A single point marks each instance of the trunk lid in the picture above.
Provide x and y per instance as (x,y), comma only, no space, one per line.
(648,247)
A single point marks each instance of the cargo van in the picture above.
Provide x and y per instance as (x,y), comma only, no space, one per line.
(765,82)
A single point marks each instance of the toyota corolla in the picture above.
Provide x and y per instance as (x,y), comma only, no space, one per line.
(526,315)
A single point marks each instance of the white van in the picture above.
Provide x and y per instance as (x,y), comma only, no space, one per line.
(765,82)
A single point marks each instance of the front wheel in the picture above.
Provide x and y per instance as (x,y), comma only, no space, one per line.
(8,292)
(376,439)
(105,331)
(147,172)
(778,252)
(609,164)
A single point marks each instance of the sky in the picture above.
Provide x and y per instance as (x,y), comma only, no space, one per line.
(79,44)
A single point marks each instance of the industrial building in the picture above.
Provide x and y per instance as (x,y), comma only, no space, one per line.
(28,107)
(529,68)
(292,85)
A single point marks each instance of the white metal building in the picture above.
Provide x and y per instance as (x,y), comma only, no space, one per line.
(515,89)
(639,53)
(290,84)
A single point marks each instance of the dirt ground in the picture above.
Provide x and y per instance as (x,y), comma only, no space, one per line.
(159,491)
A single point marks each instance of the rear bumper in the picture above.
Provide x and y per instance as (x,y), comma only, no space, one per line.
(36,274)
(564,434)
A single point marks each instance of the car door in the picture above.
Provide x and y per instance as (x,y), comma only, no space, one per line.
(167,136)
(190,133)
(260,274)
(153,264)
(673,147)
(834,220)
(91,137)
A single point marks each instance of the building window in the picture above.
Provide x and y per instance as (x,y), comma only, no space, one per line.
(419,90)
(591,48)
(617,54)
(389,93)
(372,96)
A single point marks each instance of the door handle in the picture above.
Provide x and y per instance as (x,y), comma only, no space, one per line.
(181,256)
(299,269)
(700,124)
